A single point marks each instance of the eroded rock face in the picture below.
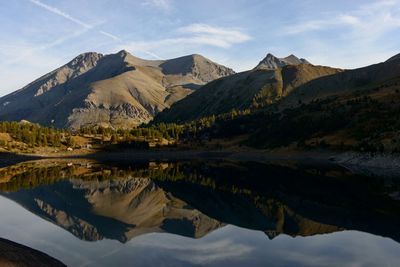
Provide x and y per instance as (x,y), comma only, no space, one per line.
(98,90)
(78,66)
(16,255)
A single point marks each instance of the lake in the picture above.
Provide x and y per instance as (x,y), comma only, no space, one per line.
(201,213)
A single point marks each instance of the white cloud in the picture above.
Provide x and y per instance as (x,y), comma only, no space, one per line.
(217,36)
(317,25)
(160,4)
(192,35)
(369,20)
(350,39)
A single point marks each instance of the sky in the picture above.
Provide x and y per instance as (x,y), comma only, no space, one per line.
(37,36)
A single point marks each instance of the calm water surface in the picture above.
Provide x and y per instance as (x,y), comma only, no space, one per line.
(200,214)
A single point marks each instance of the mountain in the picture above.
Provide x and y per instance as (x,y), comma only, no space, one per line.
(283,87)
(271,62)
(347,110)
(348,81)
(117,90)
(256,87)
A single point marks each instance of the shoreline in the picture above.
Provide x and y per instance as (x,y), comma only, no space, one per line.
(7,159)
(365,163)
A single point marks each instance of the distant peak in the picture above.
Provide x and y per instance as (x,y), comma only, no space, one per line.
(273,62)
(291,57)
(269,55)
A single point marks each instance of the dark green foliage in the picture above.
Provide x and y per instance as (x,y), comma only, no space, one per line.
(169,131)
(32,134)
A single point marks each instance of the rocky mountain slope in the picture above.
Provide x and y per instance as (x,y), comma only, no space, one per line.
(283,87)
(117,90)
(345,82)
(272,80)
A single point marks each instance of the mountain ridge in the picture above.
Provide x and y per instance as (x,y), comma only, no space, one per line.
(272,62)
(281,87)
(117,90)
(243,90)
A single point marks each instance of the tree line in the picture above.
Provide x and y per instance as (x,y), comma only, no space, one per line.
(33,134)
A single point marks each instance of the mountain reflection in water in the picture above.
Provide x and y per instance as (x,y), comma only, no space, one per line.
(96,201)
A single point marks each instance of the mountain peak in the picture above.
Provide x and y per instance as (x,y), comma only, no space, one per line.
(291,57)
(199,66)
(272,62)
(88,58)
(196,56)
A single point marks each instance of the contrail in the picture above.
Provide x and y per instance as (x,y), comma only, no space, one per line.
(87,26)
(112,36)
(61,13)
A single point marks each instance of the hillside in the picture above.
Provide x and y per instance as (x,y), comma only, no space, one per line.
(253,88)
(283,87)
(347,110)
(117,90)
(345,82)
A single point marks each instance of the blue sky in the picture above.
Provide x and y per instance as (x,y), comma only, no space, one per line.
(38,36)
